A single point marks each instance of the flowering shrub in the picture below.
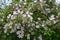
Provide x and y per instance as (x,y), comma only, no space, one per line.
(30,20)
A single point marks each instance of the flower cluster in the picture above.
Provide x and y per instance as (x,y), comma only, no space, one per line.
(29,19)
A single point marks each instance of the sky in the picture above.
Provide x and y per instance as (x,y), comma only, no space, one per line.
(58,1)
(8,2)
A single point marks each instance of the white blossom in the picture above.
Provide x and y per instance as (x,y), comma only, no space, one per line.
(43,24)
(37,23)
(10,26)
(31,13)
(39,18)
(20,34)
(21,0)
(13,17)
(25,3)
(37,26)
(41,0)
(21,12)
(40,37)
(24,15)
(14,12)
(35,0)
(9,16)
(12,31)
(5,31)
(18,11)
(28,36)
(25,0)
(27,12)
(18,25)
(55,21)
(52,17)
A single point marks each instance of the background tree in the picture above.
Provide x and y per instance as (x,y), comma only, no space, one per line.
(30,20)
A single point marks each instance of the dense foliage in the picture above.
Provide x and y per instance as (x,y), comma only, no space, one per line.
(30,20)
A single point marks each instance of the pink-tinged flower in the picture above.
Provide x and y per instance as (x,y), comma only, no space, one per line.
(52,17)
